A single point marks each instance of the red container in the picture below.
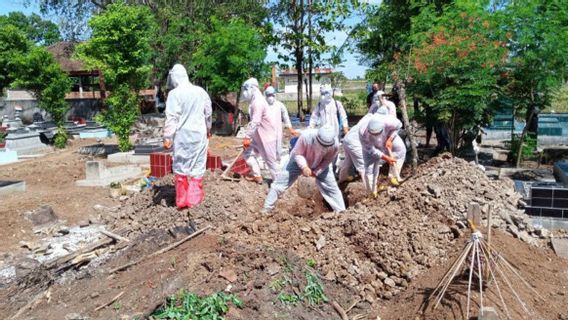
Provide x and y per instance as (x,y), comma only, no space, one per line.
(241,167)
(160,164)
(214,162)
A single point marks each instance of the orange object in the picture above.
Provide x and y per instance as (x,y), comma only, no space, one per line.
(388,159)
(388,144)
(246,143)
(167,144)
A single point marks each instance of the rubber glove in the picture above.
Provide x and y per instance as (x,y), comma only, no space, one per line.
(388,159)
(307,172)
(293,132)
(167,144)
(388,144)
(246,143)
(345,130)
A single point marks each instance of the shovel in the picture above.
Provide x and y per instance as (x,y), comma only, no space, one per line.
(224,175)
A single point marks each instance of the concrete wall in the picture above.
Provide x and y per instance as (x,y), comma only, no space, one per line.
(85,108)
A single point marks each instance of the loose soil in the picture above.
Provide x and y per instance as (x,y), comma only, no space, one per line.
(383,256)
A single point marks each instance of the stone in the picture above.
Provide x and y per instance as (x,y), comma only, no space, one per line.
(41,216)
(387,295)
(390,282)
(434,190)
(382,275)
(320,243)
(488,313)
(75,316)
(273,268)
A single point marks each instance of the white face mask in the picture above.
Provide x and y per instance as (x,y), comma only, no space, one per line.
(326,98)
(270,100)
(248,93)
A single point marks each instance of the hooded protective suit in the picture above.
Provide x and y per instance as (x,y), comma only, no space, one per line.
(188,120)
(273,103)
(265,131)
(353,151)
(328,113)
(381,102)
(310,153)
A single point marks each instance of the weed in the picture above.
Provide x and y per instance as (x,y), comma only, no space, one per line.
(187,305)
(287,298)
(311,263)
(313,292)
(173,262)
(116,306)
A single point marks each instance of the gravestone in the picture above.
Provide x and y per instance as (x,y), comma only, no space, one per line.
(25,142)
(97,174)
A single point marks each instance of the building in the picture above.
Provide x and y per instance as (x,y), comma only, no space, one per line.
(288,80)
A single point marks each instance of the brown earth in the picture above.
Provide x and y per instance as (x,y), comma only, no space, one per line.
(382,256)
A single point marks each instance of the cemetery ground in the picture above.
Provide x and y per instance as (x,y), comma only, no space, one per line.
(378,260)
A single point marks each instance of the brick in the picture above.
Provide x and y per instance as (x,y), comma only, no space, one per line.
(160,164)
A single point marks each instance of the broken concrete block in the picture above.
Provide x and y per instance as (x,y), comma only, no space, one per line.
(488,313)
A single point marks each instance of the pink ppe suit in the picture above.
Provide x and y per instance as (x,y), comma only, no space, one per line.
(265,131)
(353,151)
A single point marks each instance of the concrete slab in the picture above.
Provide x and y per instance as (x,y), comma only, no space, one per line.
(98,175)
(104,133)
(7,187)
(488,313)
(8,156)
(129,157)
(26,143)
(560,247)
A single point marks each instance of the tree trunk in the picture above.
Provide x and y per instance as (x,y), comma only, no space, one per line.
(409,131)
(310,58)
(299,59)
(525,130)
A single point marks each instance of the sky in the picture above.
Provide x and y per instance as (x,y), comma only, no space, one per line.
(350,67)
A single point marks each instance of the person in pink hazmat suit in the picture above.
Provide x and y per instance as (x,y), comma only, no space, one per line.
(263,132)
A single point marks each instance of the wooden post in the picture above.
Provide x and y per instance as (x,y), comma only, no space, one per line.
(410,134)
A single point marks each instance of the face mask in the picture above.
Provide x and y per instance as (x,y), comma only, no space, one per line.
(326,97)
(247,93)
(270,100)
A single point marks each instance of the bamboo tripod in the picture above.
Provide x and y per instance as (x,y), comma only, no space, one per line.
(479,258)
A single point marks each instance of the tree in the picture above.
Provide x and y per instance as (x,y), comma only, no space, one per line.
(120,46)
(300,29)
(37,30)
(228,55)
(38,72)
(454,64)
(13,44)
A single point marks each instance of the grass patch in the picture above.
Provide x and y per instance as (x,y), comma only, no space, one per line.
(188,306)
(292,289)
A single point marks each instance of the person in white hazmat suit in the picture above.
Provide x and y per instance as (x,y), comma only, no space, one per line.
(270,94)
(263,133)
(311,157)
(329,112)
(187,126)
(373,141)
(379,101)
(394,145)
(353,152)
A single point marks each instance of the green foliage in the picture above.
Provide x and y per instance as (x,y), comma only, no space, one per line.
(313,291)
(61,137)
(37,30)
(559,101)
(38,72)
(454,63)
(529,147)
(120,46)
(536,30)
(123,110)
(187,305)
(3,136)
(353,104)
(13,45)
(232,52)
(311,263)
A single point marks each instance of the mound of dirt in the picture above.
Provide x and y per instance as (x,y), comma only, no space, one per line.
(376,247)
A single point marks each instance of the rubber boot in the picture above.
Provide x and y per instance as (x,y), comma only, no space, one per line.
(181,191)
(195,193)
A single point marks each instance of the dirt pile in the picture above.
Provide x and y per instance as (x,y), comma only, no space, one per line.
(376,247)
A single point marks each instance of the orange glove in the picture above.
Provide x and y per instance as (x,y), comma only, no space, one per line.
(293,132)
(246,143)
(388,144)
(388,159)
(167,144)
(307,171)
(345,130)
(209,134)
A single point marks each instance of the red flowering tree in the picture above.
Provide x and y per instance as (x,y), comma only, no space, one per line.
(454,65)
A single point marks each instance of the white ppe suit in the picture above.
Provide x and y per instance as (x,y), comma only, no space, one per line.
(188,120)
(328,113)
(308,152)
(353,151)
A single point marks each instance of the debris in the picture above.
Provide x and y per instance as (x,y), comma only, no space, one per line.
(320,243)
(110,302)
(41,216)
(560,247)
(228,274)
(340,310)
(171,246)
(114,236)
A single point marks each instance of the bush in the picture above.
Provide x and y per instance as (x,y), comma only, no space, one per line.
(529,147)
(61,137)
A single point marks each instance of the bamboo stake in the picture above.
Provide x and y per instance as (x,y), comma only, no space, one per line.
(496,283)
(340,310)
(480,276)
(110,302)
(441,294)
(470,278)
